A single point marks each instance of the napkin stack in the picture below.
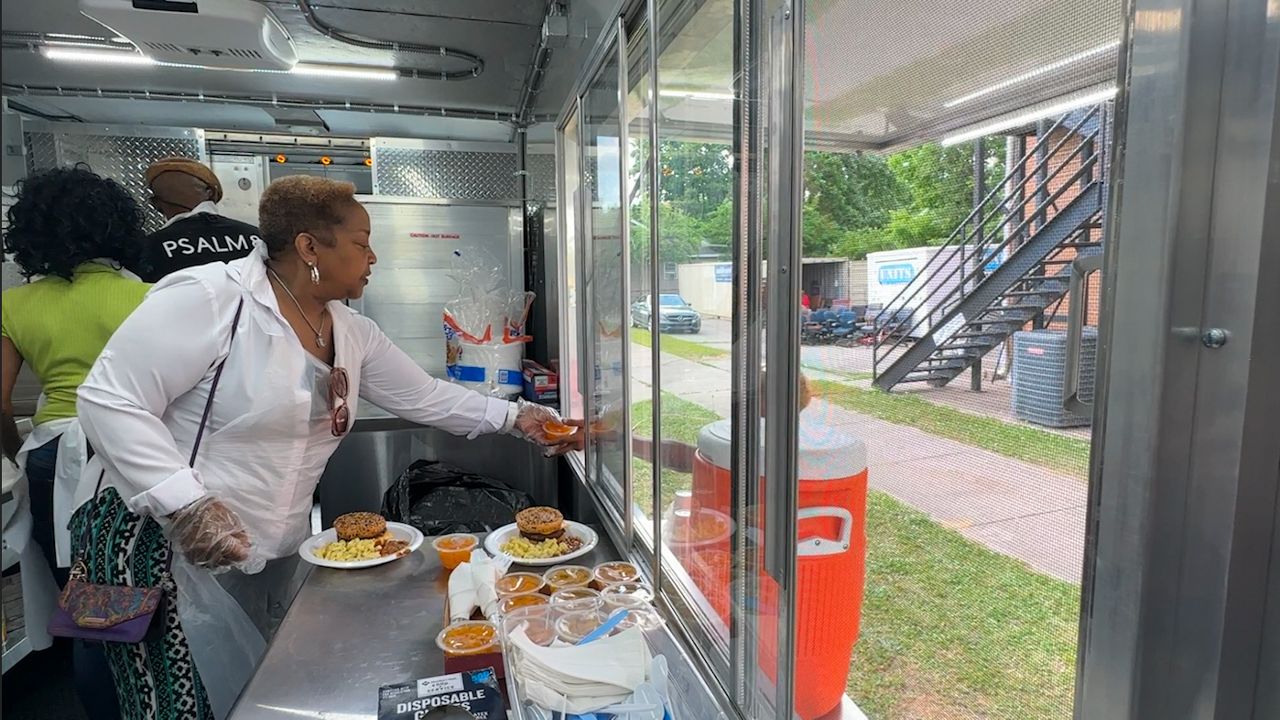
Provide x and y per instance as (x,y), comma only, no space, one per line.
(580,679)
(473,585)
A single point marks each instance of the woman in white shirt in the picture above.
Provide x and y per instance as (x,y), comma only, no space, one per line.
(295,371)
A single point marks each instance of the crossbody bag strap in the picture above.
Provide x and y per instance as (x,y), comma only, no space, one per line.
(213,389)
(195,447)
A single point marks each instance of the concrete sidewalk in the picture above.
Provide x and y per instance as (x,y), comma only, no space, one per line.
(1015,508)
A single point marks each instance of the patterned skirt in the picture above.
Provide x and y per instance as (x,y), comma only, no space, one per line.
(155,679)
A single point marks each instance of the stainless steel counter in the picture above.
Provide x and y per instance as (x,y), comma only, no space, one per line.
(350,632)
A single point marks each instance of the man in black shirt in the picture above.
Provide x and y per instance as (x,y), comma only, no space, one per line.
(186,193)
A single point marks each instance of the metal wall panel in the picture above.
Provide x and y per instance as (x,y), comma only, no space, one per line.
(542,177)
(415,242)
(116,151)
(452,170)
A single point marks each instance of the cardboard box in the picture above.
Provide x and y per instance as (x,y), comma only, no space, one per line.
(541,384)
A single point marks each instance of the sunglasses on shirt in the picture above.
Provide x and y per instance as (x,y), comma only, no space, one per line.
(339,413)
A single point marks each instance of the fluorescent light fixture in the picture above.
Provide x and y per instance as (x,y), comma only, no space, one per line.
(1037,72)
(346,73)
(695,95)
(1027,118)
(120,57)
(97,57)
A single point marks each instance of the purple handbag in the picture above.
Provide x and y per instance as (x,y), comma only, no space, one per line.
(118,613)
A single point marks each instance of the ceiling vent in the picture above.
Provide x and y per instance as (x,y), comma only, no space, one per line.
(231,34)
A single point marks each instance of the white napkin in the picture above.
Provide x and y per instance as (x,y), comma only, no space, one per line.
(484,575)
(581,678)
(462,593)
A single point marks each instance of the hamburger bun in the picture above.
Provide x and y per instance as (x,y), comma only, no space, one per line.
(540,523)
(359,526)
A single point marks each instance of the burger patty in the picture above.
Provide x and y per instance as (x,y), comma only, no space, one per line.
(539,537)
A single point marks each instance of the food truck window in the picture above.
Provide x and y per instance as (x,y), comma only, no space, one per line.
(570,193)
(640,279)
(606,322)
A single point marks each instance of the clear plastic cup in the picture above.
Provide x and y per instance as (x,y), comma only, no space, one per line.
(468,637)
(519,583)
(455,549)
(629,595)
(567,576)
(615,571)
(577,598)
(572,627)
(646,618)
(513,602)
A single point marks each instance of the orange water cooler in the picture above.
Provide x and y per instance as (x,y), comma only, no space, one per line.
(831,557)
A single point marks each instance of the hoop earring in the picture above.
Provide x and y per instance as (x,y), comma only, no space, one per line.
(315,275)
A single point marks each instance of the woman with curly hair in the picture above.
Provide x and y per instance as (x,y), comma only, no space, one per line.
(71,232)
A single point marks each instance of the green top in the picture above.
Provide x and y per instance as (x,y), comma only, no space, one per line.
(60,328)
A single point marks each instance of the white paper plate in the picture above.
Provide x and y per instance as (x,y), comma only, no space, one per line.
(399,531)
(494,542)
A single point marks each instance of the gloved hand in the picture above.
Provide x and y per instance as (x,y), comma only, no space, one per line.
(209,534)
(530,421)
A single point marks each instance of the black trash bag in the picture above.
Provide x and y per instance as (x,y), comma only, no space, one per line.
(439,499)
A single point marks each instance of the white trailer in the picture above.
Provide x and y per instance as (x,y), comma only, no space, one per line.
(920,279)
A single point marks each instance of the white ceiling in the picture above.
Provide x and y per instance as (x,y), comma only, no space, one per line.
(504,33)
(877,74)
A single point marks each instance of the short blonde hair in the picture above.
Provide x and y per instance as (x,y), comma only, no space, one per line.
(302,203)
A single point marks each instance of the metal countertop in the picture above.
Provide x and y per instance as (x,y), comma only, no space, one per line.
(350,632)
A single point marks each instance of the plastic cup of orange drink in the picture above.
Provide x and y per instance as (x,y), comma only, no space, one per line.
(468,637)
(455,549)
(557,430)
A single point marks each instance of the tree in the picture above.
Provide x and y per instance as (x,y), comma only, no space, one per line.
(853,190)
(940,184)
(679,239)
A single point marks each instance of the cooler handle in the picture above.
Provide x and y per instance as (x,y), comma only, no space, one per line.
(825,546)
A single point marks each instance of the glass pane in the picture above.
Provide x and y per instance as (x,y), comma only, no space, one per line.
(641,277)
(606,321)
(954,169)
(690,311)
(571,353)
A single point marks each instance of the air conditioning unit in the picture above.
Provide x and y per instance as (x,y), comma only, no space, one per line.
(230,34)
(1039,376)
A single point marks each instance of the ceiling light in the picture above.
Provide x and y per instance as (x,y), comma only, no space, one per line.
(1030,117)
(97,57)
(121,57)
(1042,70)
(348,73)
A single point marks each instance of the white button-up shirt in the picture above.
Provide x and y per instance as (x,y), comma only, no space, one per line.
(262,454)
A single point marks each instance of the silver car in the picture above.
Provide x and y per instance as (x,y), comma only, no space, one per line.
(674,314)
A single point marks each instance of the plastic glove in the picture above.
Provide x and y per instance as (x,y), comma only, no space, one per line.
(209,534)
(531,418)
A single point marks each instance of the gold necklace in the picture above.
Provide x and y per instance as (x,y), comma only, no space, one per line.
(320,332)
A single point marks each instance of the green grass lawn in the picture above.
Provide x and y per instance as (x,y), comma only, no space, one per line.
(1051,450)
(679,347)
(951,629)
(840,373)
(681,421)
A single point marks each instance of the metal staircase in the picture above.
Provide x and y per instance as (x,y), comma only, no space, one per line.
(1005,264)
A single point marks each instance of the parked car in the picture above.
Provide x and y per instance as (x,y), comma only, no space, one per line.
(674,314)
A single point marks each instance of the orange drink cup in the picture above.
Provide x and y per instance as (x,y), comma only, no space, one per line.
(455,549)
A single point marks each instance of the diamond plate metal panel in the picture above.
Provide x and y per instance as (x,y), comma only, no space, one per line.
(121,157)
(42,151)
(542,177)
(458,175)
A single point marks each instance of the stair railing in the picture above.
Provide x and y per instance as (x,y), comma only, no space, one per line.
(957,291)
(966,231)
